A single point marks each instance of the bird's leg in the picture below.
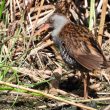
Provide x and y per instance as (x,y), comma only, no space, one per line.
(86,83)
(85,86)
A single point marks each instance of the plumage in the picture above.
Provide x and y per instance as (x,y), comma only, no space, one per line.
(77,46)
(76,43)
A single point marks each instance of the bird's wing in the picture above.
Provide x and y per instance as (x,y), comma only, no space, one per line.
(81,46)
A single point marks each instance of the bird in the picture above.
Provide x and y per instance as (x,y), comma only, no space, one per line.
(77,45)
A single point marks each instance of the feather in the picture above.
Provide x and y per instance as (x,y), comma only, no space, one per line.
(77,44)
(82,47)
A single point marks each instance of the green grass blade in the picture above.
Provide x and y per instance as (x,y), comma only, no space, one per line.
(2,7)
(92,12)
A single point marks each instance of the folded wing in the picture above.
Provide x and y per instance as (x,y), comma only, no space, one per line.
(81,46)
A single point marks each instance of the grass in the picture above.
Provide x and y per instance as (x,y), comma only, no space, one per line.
(16,46)
(2,6)
(92,14)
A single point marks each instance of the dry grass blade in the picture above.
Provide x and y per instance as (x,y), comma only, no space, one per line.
(33,29)
(47,95)
(107,108)
(102,21)
(42,46)
(30,58)
(42,2)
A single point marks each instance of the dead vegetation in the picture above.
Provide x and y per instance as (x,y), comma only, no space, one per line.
(31,66)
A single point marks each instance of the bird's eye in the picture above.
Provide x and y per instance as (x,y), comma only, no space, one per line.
(51,21)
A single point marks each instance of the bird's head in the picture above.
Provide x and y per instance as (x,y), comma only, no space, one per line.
(57,21)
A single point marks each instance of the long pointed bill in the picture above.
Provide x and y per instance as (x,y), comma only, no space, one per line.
(44,27)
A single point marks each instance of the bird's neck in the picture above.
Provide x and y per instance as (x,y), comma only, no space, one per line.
(55,35)
(58,28)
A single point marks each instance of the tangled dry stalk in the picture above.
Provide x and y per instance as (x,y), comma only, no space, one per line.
(28,54)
